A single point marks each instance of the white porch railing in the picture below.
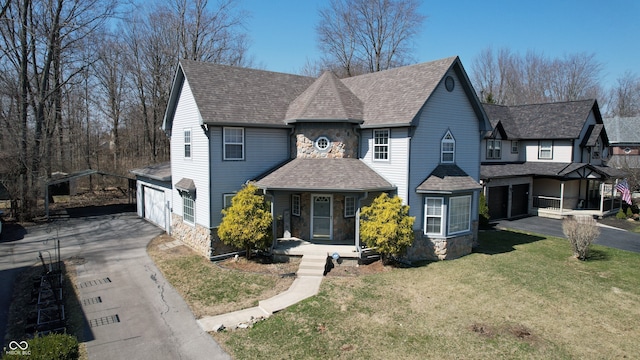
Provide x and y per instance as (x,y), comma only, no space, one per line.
(547,202)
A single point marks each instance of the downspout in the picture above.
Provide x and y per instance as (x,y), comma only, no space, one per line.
(274,223)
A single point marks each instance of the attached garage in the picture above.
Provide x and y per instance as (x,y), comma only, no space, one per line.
(508,201)
(154,194)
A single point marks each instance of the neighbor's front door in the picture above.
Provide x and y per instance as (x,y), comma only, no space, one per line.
(322,217)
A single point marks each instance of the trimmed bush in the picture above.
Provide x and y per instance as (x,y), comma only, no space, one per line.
(48,347)
(387,226)
(621,215)
(247,223)
(580,230)
(629,212)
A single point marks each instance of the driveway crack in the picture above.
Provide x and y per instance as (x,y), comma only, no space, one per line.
(160,286)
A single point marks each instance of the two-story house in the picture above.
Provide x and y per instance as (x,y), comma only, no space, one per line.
(547,160)
(321,148)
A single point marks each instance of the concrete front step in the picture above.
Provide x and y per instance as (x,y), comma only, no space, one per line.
(312,265)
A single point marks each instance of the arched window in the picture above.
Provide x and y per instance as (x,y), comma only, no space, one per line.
(447,149)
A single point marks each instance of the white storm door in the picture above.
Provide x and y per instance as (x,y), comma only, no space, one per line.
(322,217)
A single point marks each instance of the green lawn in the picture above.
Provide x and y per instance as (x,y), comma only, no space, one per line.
(517,296)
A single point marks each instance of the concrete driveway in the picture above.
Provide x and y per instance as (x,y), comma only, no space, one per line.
(611,237)
(130,309)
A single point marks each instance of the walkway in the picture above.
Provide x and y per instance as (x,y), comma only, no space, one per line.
(309,277)
(611,237)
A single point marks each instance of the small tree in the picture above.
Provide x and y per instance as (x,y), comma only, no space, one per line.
(621,214)
(581,230)
(387,226)
(247,222)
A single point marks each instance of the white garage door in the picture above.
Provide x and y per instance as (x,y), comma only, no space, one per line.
(154,206)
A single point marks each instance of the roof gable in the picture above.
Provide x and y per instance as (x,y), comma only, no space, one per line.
(227,95)
(623,130)
(558,120)
(326,99)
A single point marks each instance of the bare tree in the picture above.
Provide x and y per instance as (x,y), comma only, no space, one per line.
(368,35)
(625,96)
(506,78)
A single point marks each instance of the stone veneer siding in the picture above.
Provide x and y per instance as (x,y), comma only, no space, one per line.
(343,228)
(344,141)
(426,248)
(203,240)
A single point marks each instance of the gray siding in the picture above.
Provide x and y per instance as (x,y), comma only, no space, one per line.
(264,149)
(187,116)
(396,169)
(443,111)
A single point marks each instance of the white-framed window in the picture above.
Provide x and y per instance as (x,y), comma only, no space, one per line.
(459,214)
(233,143)
(227,200)
(349,206)
(295,205)
(494,149)
(188,214)
(381,144)
(448,149)
(322,143)
(187,143)
(515,147)
(433,215)
(545,149)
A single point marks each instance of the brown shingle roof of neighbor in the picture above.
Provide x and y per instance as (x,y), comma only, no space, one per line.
(160,172)
(558,120)
(447,178)
(233,95)
(326,99)
(303,174)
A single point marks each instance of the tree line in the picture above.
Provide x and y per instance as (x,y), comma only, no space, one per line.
(84,84)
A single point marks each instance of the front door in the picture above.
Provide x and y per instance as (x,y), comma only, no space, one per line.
(322,217)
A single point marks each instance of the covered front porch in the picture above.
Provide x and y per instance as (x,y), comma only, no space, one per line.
(558,198)
(316,205)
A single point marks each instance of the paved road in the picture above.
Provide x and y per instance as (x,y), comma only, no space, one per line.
(615,238)
(139,316)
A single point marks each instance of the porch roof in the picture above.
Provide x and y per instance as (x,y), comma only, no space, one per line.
(447,179)
(341,175)
(550,169)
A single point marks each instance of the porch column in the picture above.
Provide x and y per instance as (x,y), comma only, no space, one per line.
(601,197)
(358,226)
(561,197)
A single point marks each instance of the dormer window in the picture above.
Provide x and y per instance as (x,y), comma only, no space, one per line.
(447,149)
(494,147)
(595,154)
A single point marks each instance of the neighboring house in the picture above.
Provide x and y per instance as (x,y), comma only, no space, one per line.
(321,148)
(624,142)
(547,160)
(153,194)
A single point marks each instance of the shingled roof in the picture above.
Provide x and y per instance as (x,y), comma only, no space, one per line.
(558,120)
(305,174)
(623,130)
(549,169)
(326,99)
(447,178)
(241,96)
(227,95)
